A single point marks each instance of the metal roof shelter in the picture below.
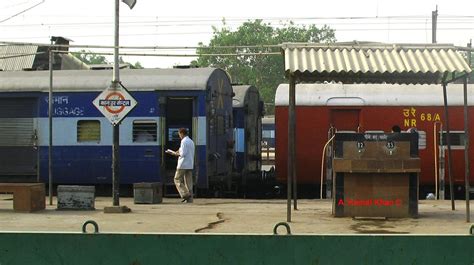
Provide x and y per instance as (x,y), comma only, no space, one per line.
(34,57)
(10,61)
(371,62)
(366,62)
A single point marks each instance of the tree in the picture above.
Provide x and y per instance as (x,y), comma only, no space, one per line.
(265,72)
(89,57)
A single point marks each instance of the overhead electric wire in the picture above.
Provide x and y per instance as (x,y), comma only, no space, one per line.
(20,55)
(11,43)
(21,12)
(190,22)
(177,55)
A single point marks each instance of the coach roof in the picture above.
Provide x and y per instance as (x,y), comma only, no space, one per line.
(240,93)
(97,80)
(337,94)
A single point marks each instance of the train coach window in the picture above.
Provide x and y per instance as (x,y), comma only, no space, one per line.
(88,131)
(144,131)
(457,139)
(268,133)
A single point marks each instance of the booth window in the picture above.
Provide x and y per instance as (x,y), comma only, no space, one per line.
(88,131)
(144,131)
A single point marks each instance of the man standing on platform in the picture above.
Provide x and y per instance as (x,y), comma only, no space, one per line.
(183,179)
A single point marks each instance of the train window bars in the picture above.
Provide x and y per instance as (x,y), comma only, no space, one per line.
(144,131)
(421,140)
(88,131)
(457,139)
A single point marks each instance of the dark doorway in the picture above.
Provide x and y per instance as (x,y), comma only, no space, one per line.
(179,114)
(18,140)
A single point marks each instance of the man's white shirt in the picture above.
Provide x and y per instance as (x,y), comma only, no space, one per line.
(186,154)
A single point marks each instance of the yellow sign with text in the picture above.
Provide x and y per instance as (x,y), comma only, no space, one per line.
(411,117)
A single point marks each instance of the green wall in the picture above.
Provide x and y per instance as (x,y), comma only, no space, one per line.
(190,249)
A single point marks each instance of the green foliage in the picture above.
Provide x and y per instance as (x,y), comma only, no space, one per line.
(88,58)
(137,65)
(265,72)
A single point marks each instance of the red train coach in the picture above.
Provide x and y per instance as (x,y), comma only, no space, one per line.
(324,108)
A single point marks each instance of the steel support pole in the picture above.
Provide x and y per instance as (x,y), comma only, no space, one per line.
(466,152)
(291,143)
(293,150)
(116,166)
(448,141)
(116,127)
(434,21)
(50,121)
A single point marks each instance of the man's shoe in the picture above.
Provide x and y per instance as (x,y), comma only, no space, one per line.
(184,200)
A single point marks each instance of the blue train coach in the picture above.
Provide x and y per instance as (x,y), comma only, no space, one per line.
(248,112)
(198,99)
(268,131)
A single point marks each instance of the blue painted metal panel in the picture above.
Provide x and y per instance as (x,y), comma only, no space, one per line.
(268,134)
(239,162)
(18,107)
(239,118)
(239,137)
(70,105)
(79,104)
(92,164)
(201,167)
(201,108)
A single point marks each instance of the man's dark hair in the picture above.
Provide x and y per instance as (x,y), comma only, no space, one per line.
(396,129)
(183,131)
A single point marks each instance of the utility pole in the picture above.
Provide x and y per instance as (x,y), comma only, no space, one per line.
(434,21)
(116,208)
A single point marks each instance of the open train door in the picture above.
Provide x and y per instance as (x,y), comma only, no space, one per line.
(339,120)
(178,113)
(18,140)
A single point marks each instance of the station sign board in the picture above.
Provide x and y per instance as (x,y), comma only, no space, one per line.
(115,103)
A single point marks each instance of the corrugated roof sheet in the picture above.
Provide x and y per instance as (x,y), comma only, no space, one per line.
(11,59)
(373,62)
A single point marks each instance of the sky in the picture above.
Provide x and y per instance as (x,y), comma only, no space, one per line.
(186,23)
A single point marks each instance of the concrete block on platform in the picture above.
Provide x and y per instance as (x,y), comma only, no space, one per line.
(72,197)
(147,193)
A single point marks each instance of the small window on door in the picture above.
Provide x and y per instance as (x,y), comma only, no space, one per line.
(144,131)
(88,131)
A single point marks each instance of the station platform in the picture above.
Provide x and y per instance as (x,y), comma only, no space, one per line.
(234,216)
